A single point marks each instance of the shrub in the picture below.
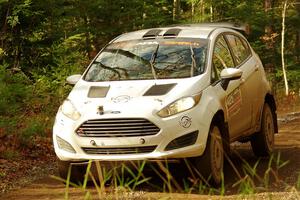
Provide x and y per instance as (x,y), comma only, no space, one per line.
(15,89)
(33,128)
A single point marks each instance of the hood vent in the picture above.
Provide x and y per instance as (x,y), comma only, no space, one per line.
(173,32)
(157,90)
(152,33)
(98,92)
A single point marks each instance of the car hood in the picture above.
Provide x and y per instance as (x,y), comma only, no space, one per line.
(119,97)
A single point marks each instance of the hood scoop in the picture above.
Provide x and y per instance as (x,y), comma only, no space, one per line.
(158,90)
(98,92)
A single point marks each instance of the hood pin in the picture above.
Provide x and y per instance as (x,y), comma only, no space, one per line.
(100,110)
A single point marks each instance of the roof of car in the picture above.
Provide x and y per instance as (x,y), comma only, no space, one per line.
(183,30)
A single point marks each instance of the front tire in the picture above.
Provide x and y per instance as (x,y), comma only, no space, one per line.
(263,142)
(210,164)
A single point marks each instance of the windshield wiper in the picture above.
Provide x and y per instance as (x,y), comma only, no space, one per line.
(154,54)
(193,66)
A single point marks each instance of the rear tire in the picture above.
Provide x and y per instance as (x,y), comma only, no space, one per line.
(263,142)
(210,164)
(77,172)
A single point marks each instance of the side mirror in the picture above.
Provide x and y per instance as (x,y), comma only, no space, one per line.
(73,79)
(228,75)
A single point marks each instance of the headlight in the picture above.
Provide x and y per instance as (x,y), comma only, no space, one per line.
(180,105)
(69,110)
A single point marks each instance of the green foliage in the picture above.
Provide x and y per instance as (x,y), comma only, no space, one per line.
(20,106)
(293,77)
(14,91)
(9,155)
(2,174)
(67,59)
(33,128)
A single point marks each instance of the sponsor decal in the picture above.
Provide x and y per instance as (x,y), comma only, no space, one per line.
(121,99)
(159,100)
(185,121)
(147,43)
(181,43)
(234,102)
(87,102)
(115,112)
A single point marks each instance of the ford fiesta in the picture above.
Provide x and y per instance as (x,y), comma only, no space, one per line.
(168,93)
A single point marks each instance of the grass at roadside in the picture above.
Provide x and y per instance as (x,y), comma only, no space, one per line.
(122,181)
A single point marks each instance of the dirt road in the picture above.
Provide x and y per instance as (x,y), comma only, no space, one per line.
(282,179)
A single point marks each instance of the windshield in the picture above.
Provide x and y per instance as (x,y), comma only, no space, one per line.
(149,59)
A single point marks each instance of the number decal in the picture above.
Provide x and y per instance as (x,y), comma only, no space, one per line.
(234,102)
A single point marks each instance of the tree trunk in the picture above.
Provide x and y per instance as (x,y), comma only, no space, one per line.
(193,10)
(297,46)
(211,13)
(202,10)
(268,28)
(297,43)
(87,37)
(176,9)
(4,28)
(270,42)
(282,48)
(17,47)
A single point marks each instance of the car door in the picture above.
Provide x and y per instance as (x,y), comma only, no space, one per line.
(233,97)
(250,87)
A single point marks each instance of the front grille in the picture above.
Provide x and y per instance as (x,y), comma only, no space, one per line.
(121,150)
(126,127)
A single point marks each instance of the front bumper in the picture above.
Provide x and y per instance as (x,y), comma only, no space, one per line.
(170,129)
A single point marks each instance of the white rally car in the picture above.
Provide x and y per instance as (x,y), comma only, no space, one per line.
(168,93)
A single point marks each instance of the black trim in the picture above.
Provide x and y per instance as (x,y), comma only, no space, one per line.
(183,141)
(118,150)
(158,90)
(152,33)
(221,35)
(173,32)
(225,34)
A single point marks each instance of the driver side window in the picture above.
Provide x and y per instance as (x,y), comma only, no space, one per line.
(221,58)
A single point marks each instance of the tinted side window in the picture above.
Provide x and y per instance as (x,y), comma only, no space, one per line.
(239,48)
(221,58)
